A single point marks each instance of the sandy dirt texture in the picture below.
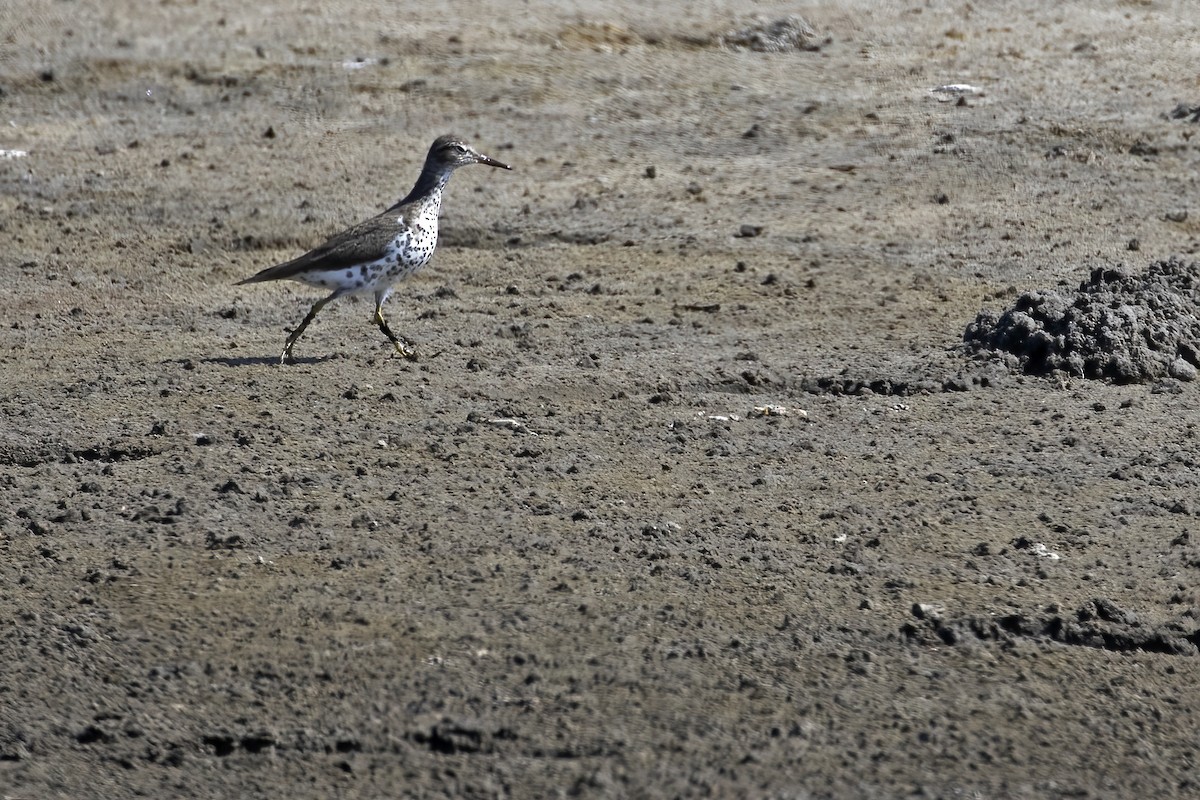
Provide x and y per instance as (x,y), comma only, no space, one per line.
(694,490)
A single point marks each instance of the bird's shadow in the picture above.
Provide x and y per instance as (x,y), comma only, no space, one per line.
(258,361)
(270,361)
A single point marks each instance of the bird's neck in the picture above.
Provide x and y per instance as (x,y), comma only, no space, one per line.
(428,189)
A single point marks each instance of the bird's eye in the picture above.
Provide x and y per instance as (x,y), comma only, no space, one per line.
(460,148)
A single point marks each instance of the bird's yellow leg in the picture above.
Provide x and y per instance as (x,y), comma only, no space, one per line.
(287,358)
(403,348)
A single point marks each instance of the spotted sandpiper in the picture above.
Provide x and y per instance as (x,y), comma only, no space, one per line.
(373,255)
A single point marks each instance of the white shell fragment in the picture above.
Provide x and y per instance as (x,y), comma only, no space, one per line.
(358,63)
(953,91)
(512,424)
(1041,551)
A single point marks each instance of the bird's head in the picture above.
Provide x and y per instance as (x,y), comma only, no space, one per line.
(453,152)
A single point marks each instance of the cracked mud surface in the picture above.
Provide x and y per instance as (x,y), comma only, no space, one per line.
(576,549)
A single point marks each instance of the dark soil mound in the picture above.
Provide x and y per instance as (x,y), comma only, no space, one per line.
(1117,326)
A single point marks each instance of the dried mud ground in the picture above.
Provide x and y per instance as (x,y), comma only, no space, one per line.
(560,555)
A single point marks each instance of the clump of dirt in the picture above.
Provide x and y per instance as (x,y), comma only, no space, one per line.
(783,35)
(1117,326)
(1184,111)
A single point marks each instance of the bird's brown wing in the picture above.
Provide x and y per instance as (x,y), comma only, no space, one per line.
(361,244)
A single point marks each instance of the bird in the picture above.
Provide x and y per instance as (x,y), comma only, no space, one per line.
(372,256)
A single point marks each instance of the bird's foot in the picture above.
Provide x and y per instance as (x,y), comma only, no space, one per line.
(405,350)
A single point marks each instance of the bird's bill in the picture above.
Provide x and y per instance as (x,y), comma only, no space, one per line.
(491,162)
